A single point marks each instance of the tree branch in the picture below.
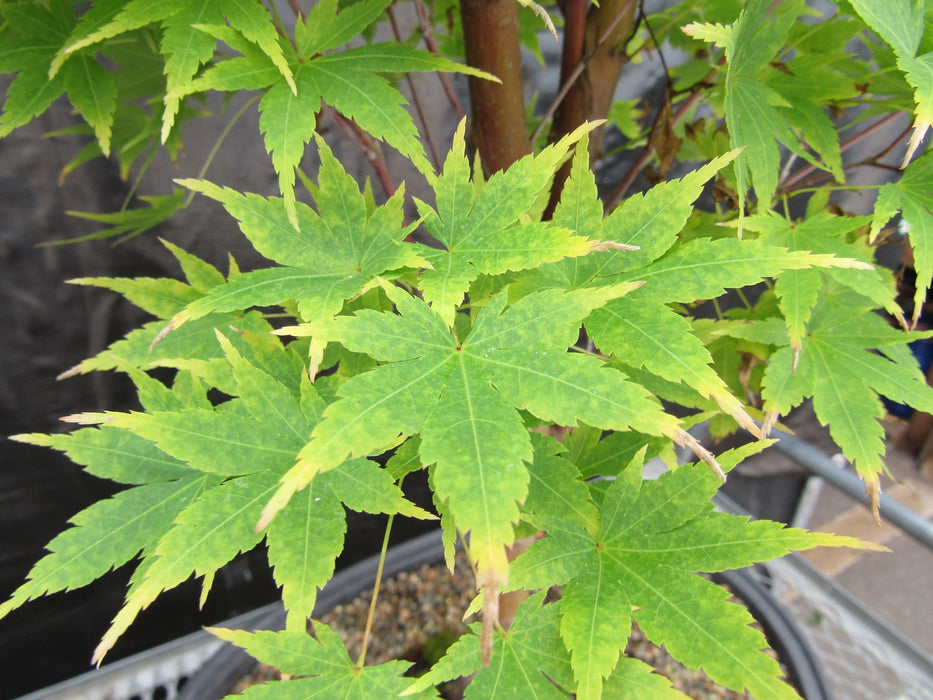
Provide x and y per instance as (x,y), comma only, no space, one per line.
(490,32)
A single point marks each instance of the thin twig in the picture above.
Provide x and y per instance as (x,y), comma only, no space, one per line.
(361,661)
(578,71)
(427,33)
(296,9)
(414,96)
(845,145)
(620,189)
(219,142)
(369,147)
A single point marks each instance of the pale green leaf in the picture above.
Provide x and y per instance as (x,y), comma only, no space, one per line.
(108,534)
(162,297)
(330,256)
(201,275)
(253,21)
(195,341)
(223,441)
(29,95)
(485,231)
(325,28)
(112,19)
(93,93)
(364,486)
(323,660)
(912,195)
(704,268)
(556,491)
(634,679)
(373,409)
(564,388)
(185,49)
(653,535)
(268,401)
(476,447)
(837,364)
(648,221)
(397,58)
(898,22)
(649,334)
(798,292)
(372,102)
(303,545)
(698,626)
(594,623)
(287,122)
(528,661)
(130,222)
(206,535)
(114,453)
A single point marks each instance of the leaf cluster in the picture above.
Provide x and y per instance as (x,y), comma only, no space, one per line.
(448,331)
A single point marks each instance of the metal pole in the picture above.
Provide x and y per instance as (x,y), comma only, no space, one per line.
(819,464)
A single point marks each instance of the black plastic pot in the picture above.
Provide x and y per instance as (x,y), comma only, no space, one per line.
(220,674)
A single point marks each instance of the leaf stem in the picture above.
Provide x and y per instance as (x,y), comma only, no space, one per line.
(844,146)
(371,615)
(369,147)
(219,142)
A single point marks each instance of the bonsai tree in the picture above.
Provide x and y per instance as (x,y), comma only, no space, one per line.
(515,299)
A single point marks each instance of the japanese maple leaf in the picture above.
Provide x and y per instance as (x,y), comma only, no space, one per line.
(639,562)
(463,397)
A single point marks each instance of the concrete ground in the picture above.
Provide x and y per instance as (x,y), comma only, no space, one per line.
(895,586)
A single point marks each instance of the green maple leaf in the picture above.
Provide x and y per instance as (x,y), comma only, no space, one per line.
(635,680)
(108,534)
(131,222)
(488,231)
(556,490)
(752,108)
(323,661)
(185,50)
(326,28)
(529,659)
(463,397)
(31,36)
(252,441)
(900,23)
(329,259)
(838,365)
(184,45)
(912,195)
(648,223)
(799,290)
(641,565)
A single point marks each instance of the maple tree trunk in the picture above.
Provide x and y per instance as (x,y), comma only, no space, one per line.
(490,32)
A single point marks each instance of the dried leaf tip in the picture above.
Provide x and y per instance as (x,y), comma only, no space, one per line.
(90,418)
(771,419)
(873,491)
(73,372)
(685,439)
(490,621)
(604,246)
(542,13)
(916,138)
(170,326)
